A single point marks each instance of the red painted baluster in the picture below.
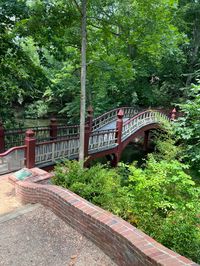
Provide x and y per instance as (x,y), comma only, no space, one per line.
(30,142)
(2,137)
(53,129)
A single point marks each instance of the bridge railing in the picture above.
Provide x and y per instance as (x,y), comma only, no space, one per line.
(15,137)
(68,131)
(141,120)
(12,160)
(59,146)
(102,140)
(51,151)
(111,116)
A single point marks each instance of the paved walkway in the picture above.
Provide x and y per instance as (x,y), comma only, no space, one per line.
(32,235)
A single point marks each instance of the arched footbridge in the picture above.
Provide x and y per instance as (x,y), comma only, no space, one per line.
(107,134)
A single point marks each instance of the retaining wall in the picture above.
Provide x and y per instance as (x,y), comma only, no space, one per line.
(124,243)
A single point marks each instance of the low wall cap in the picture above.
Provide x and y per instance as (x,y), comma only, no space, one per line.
(22,174)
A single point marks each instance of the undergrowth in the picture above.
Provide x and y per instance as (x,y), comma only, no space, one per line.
(161,199)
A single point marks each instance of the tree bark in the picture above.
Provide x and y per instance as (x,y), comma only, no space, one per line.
(83,83)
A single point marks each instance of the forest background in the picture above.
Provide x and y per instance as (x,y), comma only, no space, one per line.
(142,53)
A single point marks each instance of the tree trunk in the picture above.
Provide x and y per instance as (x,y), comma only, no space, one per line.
(83,83)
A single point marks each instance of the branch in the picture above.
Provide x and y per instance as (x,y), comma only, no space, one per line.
(98,27)
(106,21)
(78,7)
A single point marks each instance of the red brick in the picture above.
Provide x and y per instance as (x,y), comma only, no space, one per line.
(184,259)
(172,262)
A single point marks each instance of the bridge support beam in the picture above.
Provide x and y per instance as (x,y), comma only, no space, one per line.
(146,140)
(2,138)
(30,143)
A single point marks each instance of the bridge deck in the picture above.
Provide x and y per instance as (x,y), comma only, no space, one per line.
(111,125)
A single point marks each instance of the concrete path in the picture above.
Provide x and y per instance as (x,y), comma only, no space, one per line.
(39,237)
(31,235)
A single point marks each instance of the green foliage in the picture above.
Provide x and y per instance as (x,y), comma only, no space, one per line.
(188,127)
(96,184)
(39,109)
(160,199)
(165,139)
(128,43)
(136,48)
(21,78)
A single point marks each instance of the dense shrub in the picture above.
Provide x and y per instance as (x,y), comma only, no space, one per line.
(97,184)
(164,203)
(160,199)
(188,127)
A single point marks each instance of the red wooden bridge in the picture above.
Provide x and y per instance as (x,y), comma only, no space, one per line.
(107,134)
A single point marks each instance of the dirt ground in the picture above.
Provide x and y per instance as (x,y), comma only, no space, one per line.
(8,201)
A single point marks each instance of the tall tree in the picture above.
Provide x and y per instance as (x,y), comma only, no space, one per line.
(83,82)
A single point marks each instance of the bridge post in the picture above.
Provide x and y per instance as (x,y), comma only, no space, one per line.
(173,114)
(90,117)
(2,137)
(146,140)
(30,143)
(86,141)
(88,129)
(119,126)
(53,128)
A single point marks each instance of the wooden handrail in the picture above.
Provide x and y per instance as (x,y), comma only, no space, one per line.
(13,149)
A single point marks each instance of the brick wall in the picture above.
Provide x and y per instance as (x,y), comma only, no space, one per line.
(124,243)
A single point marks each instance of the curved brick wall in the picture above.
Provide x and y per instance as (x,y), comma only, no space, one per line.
(124,243)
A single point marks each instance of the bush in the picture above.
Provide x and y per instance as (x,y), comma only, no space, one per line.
(97,184)
(160,199)
(188,127)
(164,203)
